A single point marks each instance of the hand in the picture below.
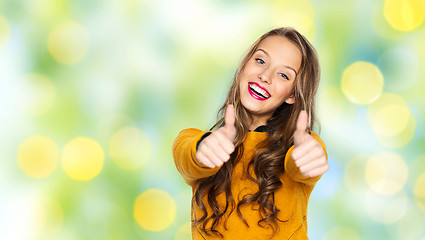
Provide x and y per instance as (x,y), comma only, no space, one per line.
(308,154)
(215,149)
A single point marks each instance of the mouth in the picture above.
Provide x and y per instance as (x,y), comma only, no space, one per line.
(258,92)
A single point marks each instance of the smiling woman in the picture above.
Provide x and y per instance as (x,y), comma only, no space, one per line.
(252,176)
(269,75)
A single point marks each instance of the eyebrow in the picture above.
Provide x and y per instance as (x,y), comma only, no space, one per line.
(265,52)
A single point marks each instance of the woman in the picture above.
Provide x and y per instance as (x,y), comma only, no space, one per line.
(252,176)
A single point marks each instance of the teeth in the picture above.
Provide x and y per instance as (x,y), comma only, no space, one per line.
(259,90)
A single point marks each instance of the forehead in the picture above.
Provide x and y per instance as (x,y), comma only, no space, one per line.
(282,49)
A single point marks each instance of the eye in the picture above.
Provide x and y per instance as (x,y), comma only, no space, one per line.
(260,61)
(284,76)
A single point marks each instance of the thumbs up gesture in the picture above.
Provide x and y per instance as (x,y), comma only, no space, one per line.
(215,149)
(308,154)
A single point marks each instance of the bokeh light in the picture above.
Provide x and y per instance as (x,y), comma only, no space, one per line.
(82,158)
(130,148)
(38,156)
(4,32)
(31,216)
(47,12)
(297,14)
(36,95)
(420,191)
(386,209)
(404,15)
(69,43)
(386,173)
(184,232)
(154,210)
(391,120)
(354,176)
(20,216)
(362,82)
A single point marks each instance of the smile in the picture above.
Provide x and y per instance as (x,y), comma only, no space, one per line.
(258,92)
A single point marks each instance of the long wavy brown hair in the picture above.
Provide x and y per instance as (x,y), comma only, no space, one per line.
(267,162)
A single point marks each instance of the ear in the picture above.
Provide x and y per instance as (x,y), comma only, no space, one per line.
(290,99)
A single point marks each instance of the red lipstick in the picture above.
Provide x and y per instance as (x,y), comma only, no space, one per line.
(258,92)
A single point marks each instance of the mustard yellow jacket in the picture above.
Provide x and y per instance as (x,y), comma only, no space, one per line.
(291,199)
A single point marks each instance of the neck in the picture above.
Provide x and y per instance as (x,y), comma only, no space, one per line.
(256,122)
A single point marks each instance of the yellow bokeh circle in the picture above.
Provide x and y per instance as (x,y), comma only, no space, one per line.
(82,159)
(130,148)
(404,15)
(68,43)
(37,95)
(38,156)
(184,232)
(354,175)
(154,210)
(386,173)
(391,120)
(297,14)
(400,140)
(4,32)
(302,22)
(362,82)
(420,191)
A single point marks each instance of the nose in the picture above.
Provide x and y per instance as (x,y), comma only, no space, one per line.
(265,76)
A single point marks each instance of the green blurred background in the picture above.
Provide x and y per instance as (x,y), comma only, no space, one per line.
(93,93)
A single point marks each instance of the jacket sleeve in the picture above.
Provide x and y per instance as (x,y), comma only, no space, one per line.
(294,172)
(184,150)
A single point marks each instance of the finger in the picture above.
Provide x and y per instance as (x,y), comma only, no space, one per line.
(212,156)
(302,121)
(317,163)
(229,121)
(301,128)
(215,144)
(224,142)
(206,153)
(309,157)
(305,147)
(317,172)
(220,153)
(200,157)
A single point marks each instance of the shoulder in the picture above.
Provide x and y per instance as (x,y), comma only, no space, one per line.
(190,134)
(190,131)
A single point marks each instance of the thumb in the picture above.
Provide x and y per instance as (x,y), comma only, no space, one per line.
(229,121)
(300,131)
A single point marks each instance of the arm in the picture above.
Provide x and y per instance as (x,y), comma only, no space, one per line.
(184,151)
(214,150)
(294,171)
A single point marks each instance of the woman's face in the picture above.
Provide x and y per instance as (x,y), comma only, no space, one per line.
(268,77)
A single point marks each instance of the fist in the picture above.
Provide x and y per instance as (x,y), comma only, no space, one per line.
(216,149)
(308,154)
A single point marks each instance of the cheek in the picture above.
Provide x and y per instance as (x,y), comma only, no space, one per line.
(283,91)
